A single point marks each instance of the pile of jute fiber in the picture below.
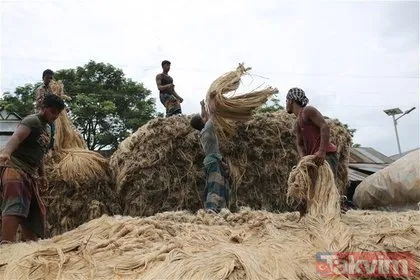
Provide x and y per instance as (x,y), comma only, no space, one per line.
(244,245)
(81,186)
(159,167)
(179,245)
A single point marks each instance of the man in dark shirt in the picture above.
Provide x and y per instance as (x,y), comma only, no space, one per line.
(22,172)
(167,94)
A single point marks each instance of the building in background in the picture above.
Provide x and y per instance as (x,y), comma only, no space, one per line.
(8,124)
(364,161)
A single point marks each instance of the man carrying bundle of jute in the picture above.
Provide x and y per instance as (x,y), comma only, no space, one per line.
(216,193)
(217,119)
(43,91)
(22,172)
(312,133)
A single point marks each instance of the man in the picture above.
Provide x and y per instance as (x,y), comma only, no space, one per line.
(167,94)
(22,172)
(312,131)
(216,193)
(43,91)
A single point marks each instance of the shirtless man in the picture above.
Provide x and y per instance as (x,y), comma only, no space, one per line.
(168,96)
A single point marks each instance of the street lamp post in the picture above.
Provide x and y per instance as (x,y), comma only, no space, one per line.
(393,112)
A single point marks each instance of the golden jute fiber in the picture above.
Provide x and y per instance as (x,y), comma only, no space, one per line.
(81,186)
(231,107)
(160,166)
(181,245)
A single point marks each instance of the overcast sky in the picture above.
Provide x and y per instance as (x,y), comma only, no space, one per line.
(354,59)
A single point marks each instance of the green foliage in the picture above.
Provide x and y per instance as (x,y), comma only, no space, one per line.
(273,105)
(21,101)
(105,105)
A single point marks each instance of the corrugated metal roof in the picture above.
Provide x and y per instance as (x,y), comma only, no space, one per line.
(356,156)
(368,155)
(367,167)
(354,175)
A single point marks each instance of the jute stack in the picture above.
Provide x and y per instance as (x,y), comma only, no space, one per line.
(81,186)
(179,245)
(159,167)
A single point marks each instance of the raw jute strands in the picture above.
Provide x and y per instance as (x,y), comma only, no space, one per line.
(180,245)
(238,107)
(159,168)
(81,185)
(314,185)
(66,136)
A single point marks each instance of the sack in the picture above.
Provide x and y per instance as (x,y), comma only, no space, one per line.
(397,186)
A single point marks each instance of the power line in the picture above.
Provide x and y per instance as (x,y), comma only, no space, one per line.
(275,73)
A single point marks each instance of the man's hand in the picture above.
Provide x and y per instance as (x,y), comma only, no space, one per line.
(202,103)
(320,157)
(43,183)
(4,159)
(302,208)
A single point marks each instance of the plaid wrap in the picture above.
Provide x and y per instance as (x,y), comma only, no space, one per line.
(20,197)
(216,193)
(298,95)
(171,104)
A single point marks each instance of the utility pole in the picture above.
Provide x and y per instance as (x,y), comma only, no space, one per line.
(393,112)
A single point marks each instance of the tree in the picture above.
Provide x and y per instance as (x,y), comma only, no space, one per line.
(273,105)
(350,130)
(105,105)
(21,101)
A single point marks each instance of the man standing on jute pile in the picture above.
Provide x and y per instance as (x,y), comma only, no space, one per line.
(312,131)
(42,91)
(216,193)
(22,172)
(167,94)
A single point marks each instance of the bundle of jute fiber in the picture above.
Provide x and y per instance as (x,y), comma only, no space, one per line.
(180,245)
(66,135)
(314,187)
(160,166)
(81,185)
(234,107)
(80,188)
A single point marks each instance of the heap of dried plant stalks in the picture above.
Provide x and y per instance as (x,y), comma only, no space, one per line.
(159,167)
(81,186)
(181,245)
(244,245)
